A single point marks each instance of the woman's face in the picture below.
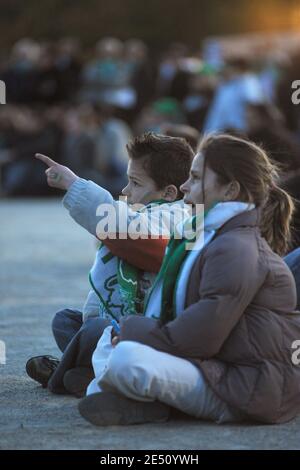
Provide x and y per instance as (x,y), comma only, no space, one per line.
(214,192)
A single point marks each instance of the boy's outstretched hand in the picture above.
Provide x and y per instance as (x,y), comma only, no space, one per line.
(58,176)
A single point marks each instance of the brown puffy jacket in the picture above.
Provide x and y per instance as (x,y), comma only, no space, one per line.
(238,324)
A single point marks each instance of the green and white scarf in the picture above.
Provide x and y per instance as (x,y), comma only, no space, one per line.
(167,297)
(117,283)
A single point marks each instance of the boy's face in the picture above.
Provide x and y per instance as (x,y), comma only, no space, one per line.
(141,189)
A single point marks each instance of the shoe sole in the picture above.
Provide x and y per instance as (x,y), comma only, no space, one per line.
(101,410)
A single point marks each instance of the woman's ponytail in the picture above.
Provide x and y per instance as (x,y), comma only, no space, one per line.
(276,218)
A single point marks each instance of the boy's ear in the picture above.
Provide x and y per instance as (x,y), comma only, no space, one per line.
(170,193)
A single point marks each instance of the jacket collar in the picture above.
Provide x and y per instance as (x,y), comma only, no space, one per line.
(246,219)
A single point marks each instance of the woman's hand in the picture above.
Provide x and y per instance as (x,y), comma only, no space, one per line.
(115,340)
(58,176)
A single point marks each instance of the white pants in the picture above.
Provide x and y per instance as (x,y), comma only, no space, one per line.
(142,373)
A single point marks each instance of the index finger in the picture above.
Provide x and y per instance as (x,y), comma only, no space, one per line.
(48,161)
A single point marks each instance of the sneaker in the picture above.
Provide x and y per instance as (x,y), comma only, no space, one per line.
(76,380)
(40,368)
(110,408)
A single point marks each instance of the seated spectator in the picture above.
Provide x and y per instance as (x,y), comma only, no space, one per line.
(168,67)
(69,65)
(47,87)
(201,89)
(106,78)
(142,72)
(94,146)
(160,112)
(239,87)
(191,135)
(157,166)
(291,184)
(26,129)
(266,126)
(20,72)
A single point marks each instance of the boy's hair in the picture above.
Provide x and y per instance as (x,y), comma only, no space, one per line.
(167,159)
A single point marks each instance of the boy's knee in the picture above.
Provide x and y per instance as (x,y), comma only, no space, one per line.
(66,316)
(58,319)
(65,324)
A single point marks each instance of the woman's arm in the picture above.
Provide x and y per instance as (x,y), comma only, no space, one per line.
(230,278)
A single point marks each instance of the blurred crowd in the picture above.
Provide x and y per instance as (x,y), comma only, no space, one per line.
(81,107)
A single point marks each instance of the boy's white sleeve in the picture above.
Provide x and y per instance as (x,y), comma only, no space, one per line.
(91,205)
(82,201)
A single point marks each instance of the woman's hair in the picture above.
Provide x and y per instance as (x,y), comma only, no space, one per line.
(236,159)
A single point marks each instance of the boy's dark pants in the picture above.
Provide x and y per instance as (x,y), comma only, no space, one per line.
(77,341)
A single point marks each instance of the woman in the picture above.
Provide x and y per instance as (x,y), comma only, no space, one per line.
(216,338)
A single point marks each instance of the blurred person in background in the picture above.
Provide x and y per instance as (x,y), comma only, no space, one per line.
(142,72)
(111,153)
(106,77)
(266,126)
(69,64)
(238,87)
(23,129)
(201,90)
(80,125)
(291,184)
(47,87)
(168,67)
(190,134)
(291,112)
(270,66)
(156,114)
(94,146)
(20,71)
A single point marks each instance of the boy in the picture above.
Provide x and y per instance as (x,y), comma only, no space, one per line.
(157,167)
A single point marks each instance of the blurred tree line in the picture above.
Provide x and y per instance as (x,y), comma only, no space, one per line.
(156,21)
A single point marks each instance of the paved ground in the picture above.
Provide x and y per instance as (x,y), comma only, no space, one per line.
(44,261)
